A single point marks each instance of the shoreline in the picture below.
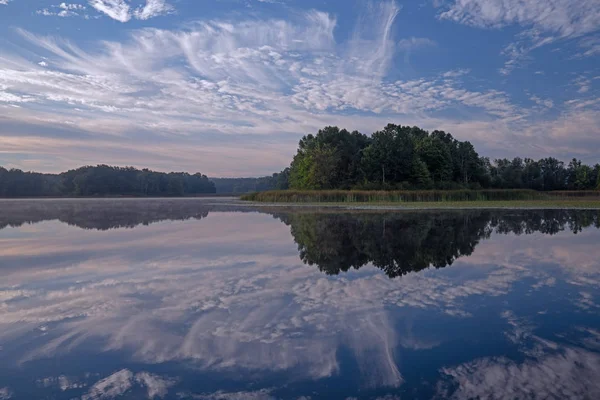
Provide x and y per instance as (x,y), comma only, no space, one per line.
(233,200)
(457,205)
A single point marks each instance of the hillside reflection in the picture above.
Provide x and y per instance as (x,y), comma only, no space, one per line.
(400,243)
(103,214)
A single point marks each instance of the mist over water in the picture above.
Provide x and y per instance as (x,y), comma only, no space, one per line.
(210,299)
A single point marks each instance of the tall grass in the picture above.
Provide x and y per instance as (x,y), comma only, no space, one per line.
(569,194)
(396,196)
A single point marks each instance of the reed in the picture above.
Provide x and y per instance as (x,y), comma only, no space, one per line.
(396,196)
(570,194)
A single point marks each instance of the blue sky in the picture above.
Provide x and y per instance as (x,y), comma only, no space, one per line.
(228,87)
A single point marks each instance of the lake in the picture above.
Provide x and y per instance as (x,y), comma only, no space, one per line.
(211,299)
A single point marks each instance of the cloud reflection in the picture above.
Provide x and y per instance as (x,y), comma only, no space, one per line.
(228,293)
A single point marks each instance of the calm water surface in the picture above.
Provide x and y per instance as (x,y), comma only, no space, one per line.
(198,299)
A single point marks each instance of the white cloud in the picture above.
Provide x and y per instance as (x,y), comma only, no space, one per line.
(4,2)
(116,9)
(71,6)
(583,83)
(156,386)
(590,46)
(121,10)
(153,8)
(415,43)
(124,380)
(548,103)
(569,374)
(563,18)
(110,387)
(45,12)
(66,10)
(5,393)
(61,382)
(264,394)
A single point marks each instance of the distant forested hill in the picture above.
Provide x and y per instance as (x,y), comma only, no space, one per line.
(103,180)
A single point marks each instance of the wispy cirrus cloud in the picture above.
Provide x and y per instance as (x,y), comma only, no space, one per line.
(543,22)
(254,77)
(590,47)
(562,18)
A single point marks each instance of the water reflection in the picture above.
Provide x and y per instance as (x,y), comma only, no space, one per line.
(104,214)
(212,302)
(408,242)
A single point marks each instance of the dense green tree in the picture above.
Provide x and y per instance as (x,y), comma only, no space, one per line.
(436,155)
(580,176)
(282,179)
(553,174)
(402,157)
(420,174)
(330,159)
(467,167)
(389,157)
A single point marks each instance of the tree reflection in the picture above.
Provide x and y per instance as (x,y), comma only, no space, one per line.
(334,241)
(399,243)
(101,214)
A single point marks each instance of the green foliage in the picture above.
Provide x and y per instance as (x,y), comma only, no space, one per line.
(102,180)
(389,157)
(420,174)
(436,155)
(329,159)
(402,157)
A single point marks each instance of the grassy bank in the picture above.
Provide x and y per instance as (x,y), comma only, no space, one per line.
(438,199)
(399,196)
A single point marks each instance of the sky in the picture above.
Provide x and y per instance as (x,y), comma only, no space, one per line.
(228,87)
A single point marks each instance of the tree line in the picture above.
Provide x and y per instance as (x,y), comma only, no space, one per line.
(402,157)
(103,180)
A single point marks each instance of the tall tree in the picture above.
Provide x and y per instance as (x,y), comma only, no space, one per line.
(389,157)
(436,155)
(339,152)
